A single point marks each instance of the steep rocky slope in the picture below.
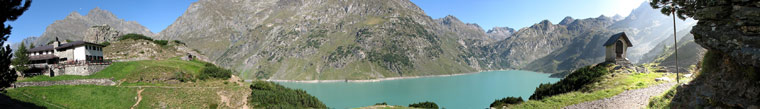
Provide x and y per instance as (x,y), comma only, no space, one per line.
(75,26)
(321,39)
(132,50)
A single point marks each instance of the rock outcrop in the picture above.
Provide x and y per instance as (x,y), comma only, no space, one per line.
(99,34)
(730,74)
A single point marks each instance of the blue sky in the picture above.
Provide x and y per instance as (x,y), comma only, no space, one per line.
(159,14)
(523,13)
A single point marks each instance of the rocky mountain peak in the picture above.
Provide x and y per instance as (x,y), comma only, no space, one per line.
(450,19)
(500,33)
(544,25)
(566,20)
(100,14)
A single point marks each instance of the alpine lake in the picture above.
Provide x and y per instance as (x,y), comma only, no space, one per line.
(468,91)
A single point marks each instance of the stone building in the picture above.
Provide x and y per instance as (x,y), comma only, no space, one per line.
(616,48)
(71,58)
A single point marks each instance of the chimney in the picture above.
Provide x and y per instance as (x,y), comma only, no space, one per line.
(55,45)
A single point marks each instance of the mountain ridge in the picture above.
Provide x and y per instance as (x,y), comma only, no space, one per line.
(74,26)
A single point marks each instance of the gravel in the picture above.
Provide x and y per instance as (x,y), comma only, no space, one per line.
(631,99)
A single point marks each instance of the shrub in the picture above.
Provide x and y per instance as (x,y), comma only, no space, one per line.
(272,95)
(178,42)
(183,77)
(575,81)
(507,101)
(135,37)
(105,43)
(161,42)
(425,104)
(383,103)
(212,71)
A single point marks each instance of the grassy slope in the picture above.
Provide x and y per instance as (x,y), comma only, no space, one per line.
(199,94)
(608,87)
(122,70)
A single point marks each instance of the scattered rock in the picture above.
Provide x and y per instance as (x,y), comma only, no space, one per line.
(663,79)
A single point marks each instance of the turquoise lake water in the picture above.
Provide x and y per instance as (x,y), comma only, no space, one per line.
(471,91)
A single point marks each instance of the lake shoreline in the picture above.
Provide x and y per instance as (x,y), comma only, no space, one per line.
(382,79)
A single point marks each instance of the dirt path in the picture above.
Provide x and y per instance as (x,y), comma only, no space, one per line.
(631,99)
(139,98)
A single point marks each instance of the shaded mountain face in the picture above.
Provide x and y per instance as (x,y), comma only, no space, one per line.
(689,52)
(324,39)
(75,26)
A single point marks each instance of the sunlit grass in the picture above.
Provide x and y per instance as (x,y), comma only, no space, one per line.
(612,85)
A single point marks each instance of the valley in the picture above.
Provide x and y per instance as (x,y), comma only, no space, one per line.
(370,54)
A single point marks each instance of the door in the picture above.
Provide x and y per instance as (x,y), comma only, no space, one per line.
(619,49)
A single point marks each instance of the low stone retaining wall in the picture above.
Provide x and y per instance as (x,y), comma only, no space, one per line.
(102,82)
(80,70)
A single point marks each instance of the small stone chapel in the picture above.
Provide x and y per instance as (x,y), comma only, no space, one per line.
(616,48)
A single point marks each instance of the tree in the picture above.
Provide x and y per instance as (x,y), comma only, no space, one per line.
(426,105)
(682,9)
(10,11)
(21,58)
(31,45)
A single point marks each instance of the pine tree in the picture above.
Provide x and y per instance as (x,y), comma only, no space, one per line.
(31,46)
(21,58)
(9,11)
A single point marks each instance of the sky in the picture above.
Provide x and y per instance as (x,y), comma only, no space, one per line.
(524,13)
(156,15)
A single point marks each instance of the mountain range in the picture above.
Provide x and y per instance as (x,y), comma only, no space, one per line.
(339,40)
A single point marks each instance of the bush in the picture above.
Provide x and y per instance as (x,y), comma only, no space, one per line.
(425,104)
(178,42)
(383,103)
(161,42)
(183,77)
(135,37)
(105,43)
(212,71)
(507,101)
(575,81)
(272,95)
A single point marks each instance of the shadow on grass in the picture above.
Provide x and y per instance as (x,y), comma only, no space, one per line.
(10,103)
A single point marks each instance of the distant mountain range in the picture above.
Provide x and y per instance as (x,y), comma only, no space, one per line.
(366,39)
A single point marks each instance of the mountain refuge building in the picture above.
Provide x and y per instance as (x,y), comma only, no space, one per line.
(616,48)
(71,58)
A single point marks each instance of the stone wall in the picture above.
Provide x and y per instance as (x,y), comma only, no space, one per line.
(80,70)
(102,82)
(730,76)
